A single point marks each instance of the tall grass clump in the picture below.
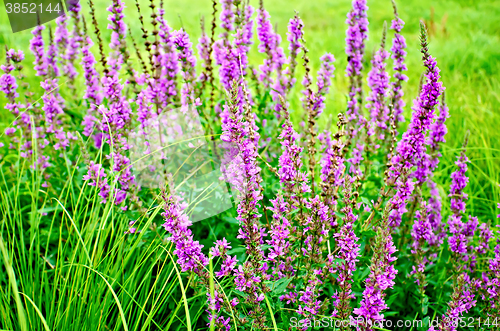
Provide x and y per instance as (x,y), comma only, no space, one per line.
(344,225)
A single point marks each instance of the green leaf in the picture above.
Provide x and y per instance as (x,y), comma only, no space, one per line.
(236,250)
(279,286)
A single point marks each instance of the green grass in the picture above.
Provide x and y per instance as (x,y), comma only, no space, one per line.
(75,269)
(72,267)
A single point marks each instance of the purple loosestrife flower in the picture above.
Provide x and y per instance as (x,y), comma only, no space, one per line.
(67,47)
(324,81)
(398,55)
(233,56)
(348,252)
(421,234)
(188,64)
(293,180)
(294,36)
(241,133)
(378,81)
(23,122)
(76,40)
(462,300)
(53,107)
(204,51)
(115,124)
(93,93)
(61,35)
(437,133)
(411,148)
(428,162)
(228,262)
(313,239)
(309,305)
(52,53)
(458,240)
(118,33)
(243,39)
(227,18)
(228,71)
(332,164)
(269,42)
(492,283)
(37,48)
(52,101)
(97,178)
(428,227)
(177,223)
(461,232)
(381,278)
(280,244)
(266,37)
(356,34)
(246,178)
(8,85)
(166,85)
(316,229)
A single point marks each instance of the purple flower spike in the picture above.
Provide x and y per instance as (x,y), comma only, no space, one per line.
(97,178)
(411,150)
(267,43)
(177,223)
(294,35)
(437,133)
(378,81)
(37,48)
(325,75)
(93,93)
(381,278)
(188,64)
(458,240)
(356,35)
(348,253)
(118,33)
(462,300)
(280,244)
(398,55)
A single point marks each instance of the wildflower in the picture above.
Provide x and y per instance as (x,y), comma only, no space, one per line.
(462,300)
(348,252)
(399,67)
(411,148)
(378,81)
(93,93)
(188,63)
(294,36)
(458,240)
(325,75)
(356,35)
(96,177)
(381,278)
(37,48)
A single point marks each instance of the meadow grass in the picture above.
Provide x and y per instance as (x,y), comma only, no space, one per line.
(77,270)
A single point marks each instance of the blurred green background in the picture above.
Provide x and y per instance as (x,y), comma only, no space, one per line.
(464,37)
